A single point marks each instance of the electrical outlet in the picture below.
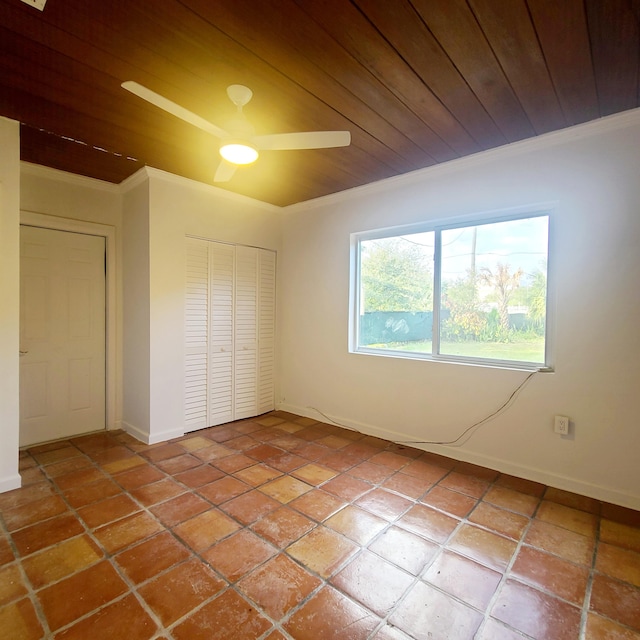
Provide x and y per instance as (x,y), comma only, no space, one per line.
(561,425)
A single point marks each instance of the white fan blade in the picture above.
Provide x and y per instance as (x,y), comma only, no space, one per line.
(225,171)
(303,140)
(174,109)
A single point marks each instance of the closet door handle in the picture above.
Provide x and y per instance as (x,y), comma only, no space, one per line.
(23,353)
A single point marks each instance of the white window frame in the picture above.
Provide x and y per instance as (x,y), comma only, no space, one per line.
(437,227)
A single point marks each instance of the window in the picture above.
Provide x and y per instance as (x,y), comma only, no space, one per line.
(468,292)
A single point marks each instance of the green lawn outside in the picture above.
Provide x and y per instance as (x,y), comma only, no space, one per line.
(525,350)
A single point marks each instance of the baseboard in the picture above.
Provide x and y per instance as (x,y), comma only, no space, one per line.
(605,494)
(10,482)
(153,438)
(116,425)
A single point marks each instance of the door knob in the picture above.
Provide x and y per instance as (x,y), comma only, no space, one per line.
(23,353)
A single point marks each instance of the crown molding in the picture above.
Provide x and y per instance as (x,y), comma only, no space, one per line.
(139,177)
(142,175)
(40,171)
(210,189)
(544,141)
(146,173)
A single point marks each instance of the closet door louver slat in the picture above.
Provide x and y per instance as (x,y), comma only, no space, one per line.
(196,334)
(246,327)
(229,333)
(221,334)
(266,330)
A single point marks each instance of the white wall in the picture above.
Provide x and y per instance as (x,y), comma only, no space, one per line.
(136,311)
(10,297)
(175,208)
(65,195)
(151,213)
(54,196)
(592,174)
(74,203)
(591,171)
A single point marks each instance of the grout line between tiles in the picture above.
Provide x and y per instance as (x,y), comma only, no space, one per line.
(265,436)
(31,592)
(587,595)
(107,555)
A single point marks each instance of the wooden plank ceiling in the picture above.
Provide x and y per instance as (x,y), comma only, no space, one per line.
(416,82)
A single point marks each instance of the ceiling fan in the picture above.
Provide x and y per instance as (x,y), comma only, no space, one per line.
(238,143)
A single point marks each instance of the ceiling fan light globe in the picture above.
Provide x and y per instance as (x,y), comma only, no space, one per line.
(238,152)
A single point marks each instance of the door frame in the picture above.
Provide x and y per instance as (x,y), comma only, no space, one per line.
(108,232)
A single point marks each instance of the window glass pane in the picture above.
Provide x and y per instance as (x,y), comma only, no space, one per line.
(396,293)
(494,290)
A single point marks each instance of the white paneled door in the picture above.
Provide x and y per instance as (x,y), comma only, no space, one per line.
(62,334)
(229,332)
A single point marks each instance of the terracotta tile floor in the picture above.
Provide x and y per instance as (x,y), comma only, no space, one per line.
(283,527)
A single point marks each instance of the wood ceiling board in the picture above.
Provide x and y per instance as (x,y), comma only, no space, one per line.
(41,106)
(91,132)
(282,183)
(313,172)
(615,60)
(329,166)
(106,48)
(562,31)
(401,26)
(164,58)
(635,7)
(282,94)
(455,28)
(222,61)
(349,161)
(292,52)
(153,119)
(198,156)
(366,45)
(273,92)
(67,84)
(524,66)
(69,46)
(508,27)
(46,149)
(420,99)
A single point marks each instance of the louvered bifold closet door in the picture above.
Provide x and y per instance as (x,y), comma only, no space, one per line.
(246,333)
(266,330)
(221,340)
(229,333)
(196,334)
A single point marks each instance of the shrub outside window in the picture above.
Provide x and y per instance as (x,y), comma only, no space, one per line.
(470,292)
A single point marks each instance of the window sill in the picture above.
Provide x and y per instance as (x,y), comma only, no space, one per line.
(444,359)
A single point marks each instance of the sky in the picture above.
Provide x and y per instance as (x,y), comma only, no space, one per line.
(518,243)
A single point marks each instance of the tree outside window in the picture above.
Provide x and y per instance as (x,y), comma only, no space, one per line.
(492,283)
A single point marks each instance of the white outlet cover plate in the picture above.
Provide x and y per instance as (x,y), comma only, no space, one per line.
(38,4)
(561,425)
